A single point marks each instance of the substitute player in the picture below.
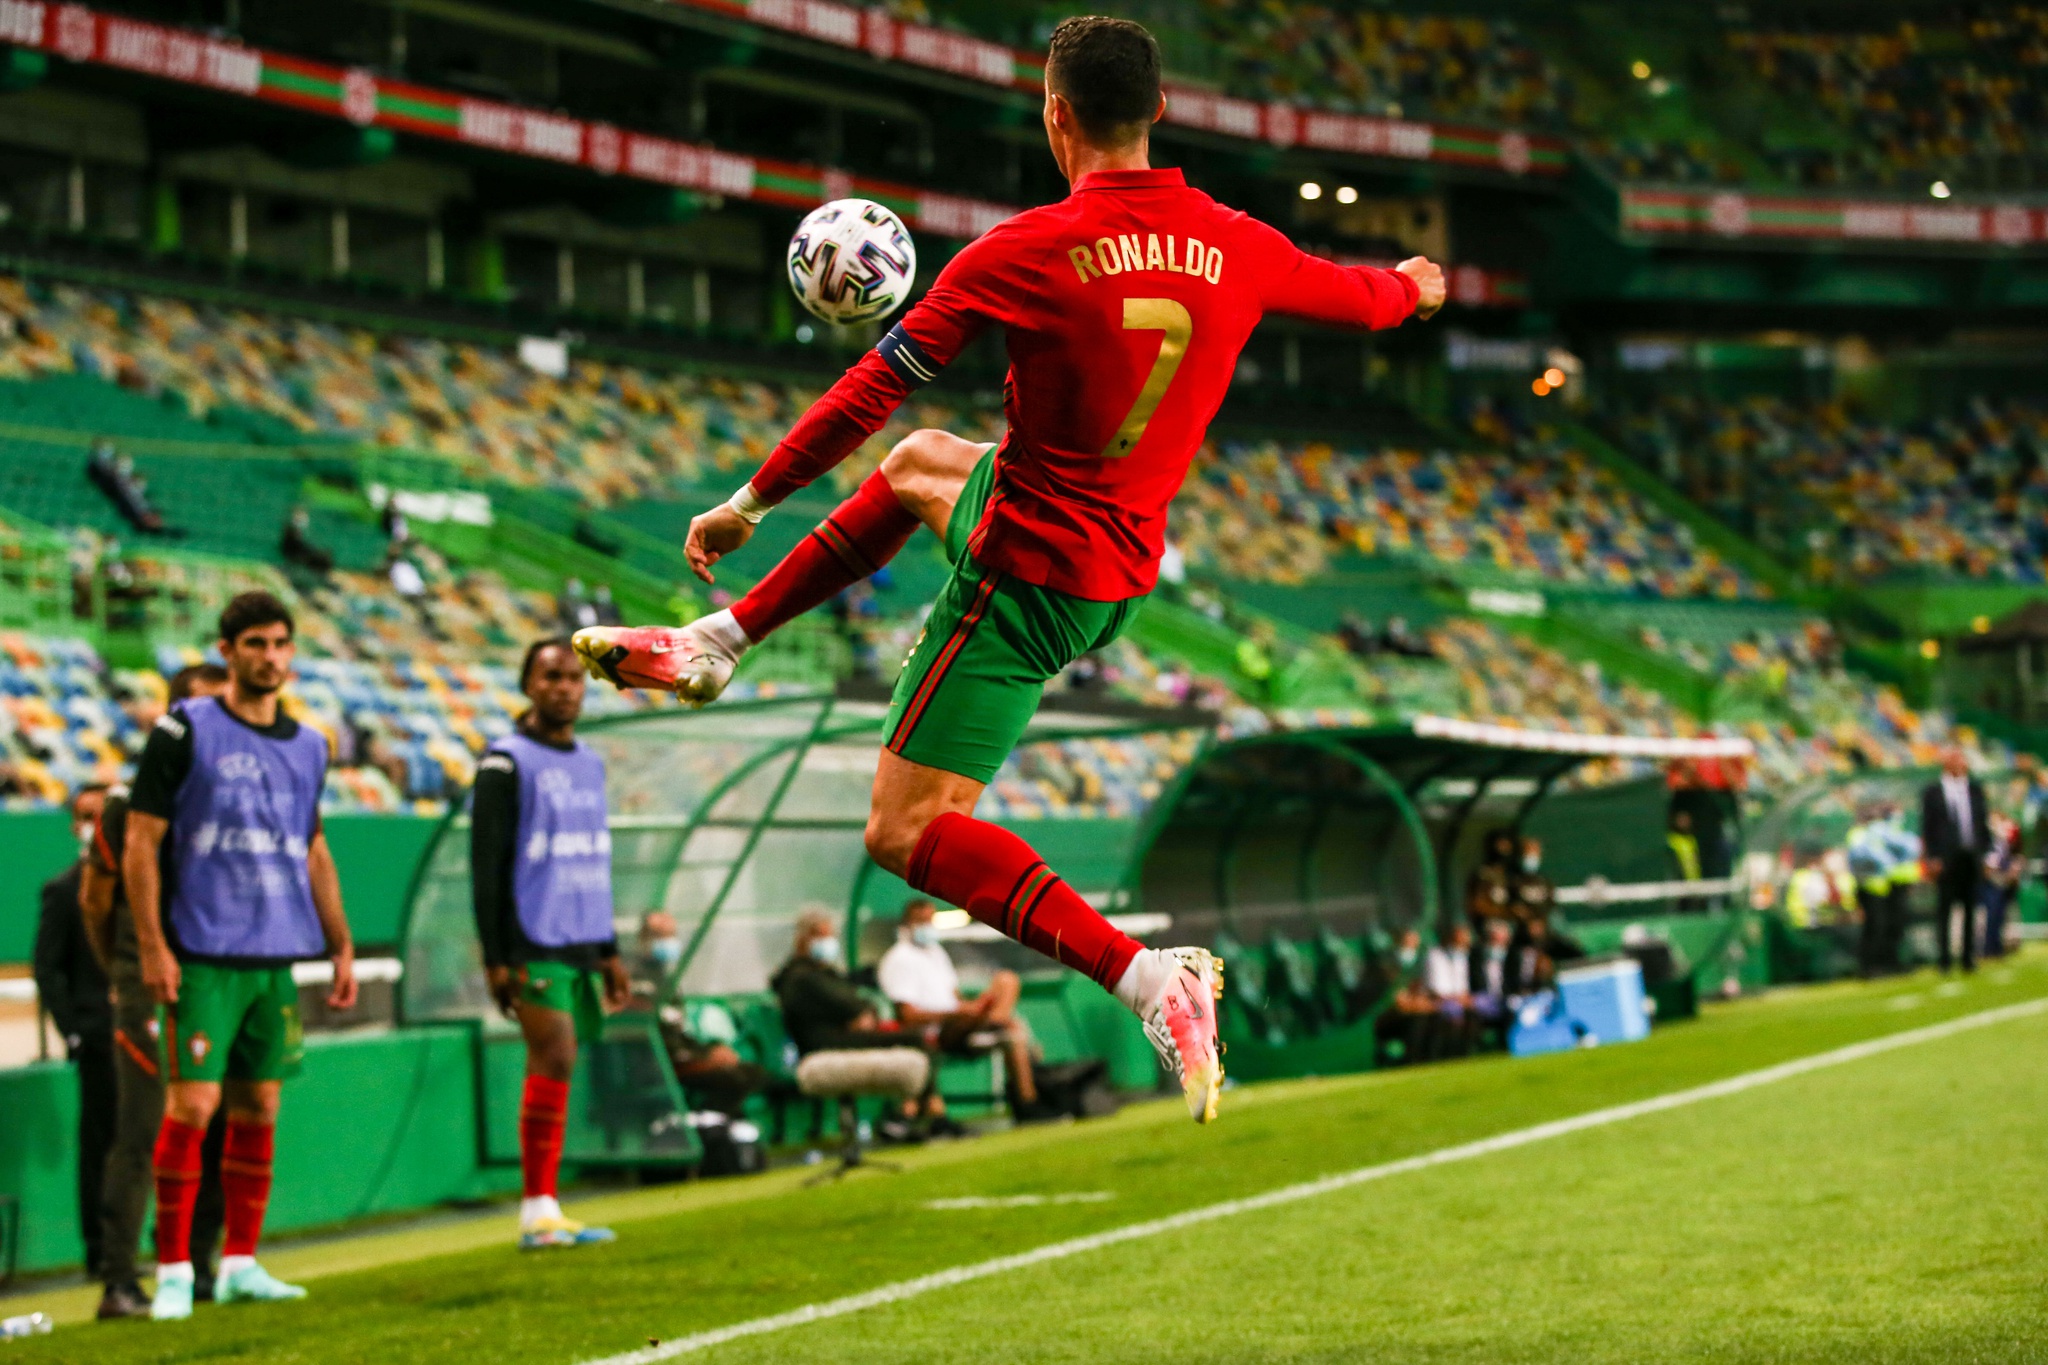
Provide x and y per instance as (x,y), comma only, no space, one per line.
(1124,306)
(541,874)
(229,882)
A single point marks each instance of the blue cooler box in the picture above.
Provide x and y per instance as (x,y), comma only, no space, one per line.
(1595,1002)
(1605,1000)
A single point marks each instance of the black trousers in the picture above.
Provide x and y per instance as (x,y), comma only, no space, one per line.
(1884,923)
(122,1199)
(1956,889)
(94,1060)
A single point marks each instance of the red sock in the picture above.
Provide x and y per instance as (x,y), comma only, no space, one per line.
(862,534)
(245,1183)
(542,1117)
(997,878)
(177,1188)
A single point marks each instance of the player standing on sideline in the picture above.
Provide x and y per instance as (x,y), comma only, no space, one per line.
(1125,306)
(229,882)
(541,874)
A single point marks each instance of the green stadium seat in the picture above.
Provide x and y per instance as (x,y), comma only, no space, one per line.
(1245,995)
(1291,985)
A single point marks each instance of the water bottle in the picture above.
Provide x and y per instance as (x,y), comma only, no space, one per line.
(27,1325)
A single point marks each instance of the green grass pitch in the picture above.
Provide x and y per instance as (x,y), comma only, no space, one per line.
(1893,1208)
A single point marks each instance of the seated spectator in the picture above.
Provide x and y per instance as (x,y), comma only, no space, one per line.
(295,546)
(1531,895)
(575,609)
(1492,993)
(115,476)
(824,1011)
(1488,889)
(604,608)
(1408,1030)
(918,977)
(1535,953)
(1448,974)
(1356,634)
(661,948)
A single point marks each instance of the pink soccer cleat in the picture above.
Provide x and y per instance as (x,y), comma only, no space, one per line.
(679,659)
(1180,1019)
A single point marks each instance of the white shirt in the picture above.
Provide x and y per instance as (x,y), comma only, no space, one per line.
(922,978)
(1957,790)
(1449,972)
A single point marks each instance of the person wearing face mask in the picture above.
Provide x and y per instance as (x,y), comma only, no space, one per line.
(1531,895)
(1410,1028)
(541,876)
(72,984)
(918,977)
(822,1011)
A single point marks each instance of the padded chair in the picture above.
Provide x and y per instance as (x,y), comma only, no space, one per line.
(1247,996)
(890,1073)
(1291,983)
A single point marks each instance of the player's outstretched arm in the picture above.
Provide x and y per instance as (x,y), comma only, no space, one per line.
(1299,285)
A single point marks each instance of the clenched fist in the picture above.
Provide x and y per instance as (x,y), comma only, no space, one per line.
(1429,280)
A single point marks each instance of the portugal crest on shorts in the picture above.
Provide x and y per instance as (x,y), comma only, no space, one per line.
(199,1045)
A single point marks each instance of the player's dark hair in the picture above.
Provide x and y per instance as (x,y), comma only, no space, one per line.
(533,653)
(187,680)
(1108,69)
(249,610)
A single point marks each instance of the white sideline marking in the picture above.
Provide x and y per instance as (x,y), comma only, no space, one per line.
(1313,1189)
(1019,1201)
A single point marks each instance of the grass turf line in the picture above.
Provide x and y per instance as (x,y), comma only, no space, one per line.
(732,1251)
(1317,1189)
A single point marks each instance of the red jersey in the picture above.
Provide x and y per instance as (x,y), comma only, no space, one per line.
(1125,306)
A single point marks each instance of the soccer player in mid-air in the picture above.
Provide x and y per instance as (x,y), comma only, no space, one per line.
(541,876)
(1124,306)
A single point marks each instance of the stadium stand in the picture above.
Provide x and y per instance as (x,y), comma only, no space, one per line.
(1903,103)
(604,433)
(1400,65)
(1282,512)
(1851,498)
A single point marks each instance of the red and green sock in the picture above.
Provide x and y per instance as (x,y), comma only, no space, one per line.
(543,1118)
(177,1189)
(860,536)
(998,878)
(245,1166)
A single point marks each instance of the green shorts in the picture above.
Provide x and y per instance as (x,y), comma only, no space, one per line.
(973,680)
(233,1023)
(576,991)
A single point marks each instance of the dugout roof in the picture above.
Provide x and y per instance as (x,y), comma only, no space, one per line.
(1352,829)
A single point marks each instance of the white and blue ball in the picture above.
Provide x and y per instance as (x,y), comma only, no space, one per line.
(851,261)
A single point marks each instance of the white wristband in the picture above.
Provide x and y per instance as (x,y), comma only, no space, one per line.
(747,505)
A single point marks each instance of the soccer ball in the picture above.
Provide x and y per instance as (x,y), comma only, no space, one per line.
(851,261)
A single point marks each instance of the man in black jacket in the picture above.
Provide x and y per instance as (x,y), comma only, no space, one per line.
(822,1010)
(1955,834)
(73,988)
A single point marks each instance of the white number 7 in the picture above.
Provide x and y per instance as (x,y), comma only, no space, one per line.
(1151,315)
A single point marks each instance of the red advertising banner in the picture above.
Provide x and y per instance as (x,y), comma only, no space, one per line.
(1660,212)
(1284,125)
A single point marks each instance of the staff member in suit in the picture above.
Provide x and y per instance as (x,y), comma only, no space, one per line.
(1955,834)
